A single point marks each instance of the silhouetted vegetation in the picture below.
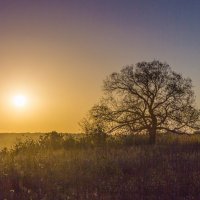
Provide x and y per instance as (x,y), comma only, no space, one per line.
(64,166)
(113,159)
(145,99)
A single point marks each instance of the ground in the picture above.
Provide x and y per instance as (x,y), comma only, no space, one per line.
(167,170)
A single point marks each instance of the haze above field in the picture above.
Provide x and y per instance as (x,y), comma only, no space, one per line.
(55,54)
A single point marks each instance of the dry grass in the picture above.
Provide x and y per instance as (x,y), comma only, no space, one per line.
(168,170)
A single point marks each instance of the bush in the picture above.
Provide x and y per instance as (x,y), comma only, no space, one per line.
(51,140)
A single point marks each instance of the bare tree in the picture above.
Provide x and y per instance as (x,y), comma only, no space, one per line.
(147,98)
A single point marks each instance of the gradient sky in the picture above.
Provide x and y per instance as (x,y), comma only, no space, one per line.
(57,53)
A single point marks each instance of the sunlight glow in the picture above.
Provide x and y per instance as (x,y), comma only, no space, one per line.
(19,100)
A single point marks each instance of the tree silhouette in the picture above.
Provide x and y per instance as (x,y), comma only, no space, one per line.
(147,98)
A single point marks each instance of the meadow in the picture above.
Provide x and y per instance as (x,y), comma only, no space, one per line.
(61,166)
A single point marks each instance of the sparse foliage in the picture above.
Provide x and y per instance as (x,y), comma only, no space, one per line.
(95,130)
(147,98)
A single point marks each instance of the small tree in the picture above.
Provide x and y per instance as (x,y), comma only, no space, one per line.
(147,98)
(95,129)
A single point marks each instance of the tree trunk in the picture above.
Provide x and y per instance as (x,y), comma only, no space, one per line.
(152,136)
(153,129)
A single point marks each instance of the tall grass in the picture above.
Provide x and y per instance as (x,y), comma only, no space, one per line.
(59,167)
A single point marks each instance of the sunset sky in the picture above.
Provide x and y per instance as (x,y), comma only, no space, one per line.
(56,53)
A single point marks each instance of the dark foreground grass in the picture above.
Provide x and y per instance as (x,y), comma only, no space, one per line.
(125,172)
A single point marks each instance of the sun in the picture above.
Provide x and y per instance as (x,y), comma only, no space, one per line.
(19,100)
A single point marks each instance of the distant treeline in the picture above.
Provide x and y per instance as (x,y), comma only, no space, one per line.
(55,140)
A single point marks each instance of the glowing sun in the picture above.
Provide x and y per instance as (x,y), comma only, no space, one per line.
(19,100)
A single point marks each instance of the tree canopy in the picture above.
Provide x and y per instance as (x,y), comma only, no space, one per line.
(146,98)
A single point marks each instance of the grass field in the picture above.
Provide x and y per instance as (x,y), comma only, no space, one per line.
(9,139)
(59,168)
